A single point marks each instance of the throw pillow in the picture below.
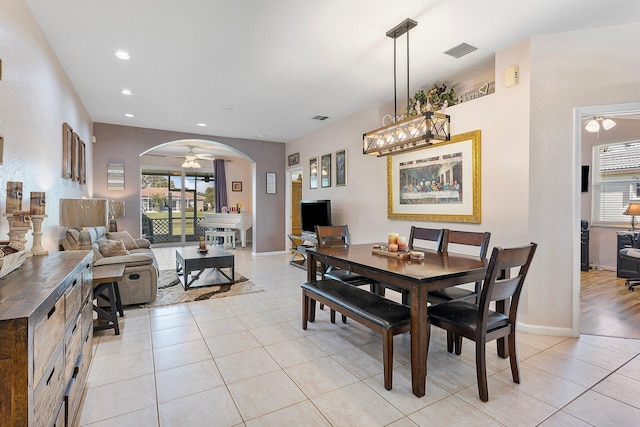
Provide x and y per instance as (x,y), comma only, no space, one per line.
(125,237)
(109,248)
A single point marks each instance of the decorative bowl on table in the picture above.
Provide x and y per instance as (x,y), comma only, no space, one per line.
(12,256)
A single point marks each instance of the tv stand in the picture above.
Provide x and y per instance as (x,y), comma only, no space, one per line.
(299,246)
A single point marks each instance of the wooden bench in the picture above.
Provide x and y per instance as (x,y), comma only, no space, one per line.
(379,314)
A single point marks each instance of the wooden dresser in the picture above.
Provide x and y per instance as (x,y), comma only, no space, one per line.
(46,319)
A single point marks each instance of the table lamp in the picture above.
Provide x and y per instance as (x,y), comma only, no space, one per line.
(633,209)
(116,210)
(82,213)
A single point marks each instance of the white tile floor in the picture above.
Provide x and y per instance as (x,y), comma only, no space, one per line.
(245,361)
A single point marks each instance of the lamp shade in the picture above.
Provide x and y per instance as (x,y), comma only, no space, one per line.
(80,213)
(632,209)
(116,208)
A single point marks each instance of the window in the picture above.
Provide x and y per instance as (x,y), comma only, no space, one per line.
(616,181)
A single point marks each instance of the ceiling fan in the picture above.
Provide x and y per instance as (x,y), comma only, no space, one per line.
(190,158)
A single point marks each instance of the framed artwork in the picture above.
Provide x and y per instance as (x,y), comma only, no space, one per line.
(82,159)
(294,159)
(1,148)
(75,171)
(313,172)
(236,185)
(67,148)
(437,183)
(325,171)
(341,168)
(115,176)
(271,183)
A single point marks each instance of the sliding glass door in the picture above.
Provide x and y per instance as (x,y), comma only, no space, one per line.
(174,203)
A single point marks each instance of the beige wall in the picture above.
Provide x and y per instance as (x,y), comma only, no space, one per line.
(125,144)
(36,98)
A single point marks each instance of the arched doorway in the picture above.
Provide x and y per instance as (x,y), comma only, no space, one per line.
(178,186)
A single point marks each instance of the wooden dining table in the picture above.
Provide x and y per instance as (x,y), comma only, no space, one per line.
(436,271)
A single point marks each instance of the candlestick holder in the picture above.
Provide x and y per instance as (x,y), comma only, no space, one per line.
(17,232)
(37,248)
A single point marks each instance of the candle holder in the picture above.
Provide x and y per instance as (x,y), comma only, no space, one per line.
(37,248)
(17,232)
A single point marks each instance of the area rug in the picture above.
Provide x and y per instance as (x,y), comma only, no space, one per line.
(209,285)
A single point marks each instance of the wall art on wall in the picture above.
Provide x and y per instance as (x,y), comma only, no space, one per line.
(313,172)
(82,159)
(75,171)
(115,176)
(341,168)
(294,159)
(236,185)
(67,150)
(1,149)
(325,171)
(437,183)
(271,183)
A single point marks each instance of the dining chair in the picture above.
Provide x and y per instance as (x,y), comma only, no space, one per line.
(431,238)
(434,237)
(479,324)
(461,239)
(338,236)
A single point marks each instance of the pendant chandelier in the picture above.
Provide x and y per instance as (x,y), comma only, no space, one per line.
(414,132)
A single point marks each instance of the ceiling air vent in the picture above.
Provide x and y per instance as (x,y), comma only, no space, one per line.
(320,118)
(461,50)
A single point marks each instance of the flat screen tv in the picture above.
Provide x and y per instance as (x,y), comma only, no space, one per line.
(314,212)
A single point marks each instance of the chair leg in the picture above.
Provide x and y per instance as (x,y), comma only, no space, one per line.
(458,344)
(513,358)
(305,310)
(450,339)
(481,370)
(312,310)
(387,358)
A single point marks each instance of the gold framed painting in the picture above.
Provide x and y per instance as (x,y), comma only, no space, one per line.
(67,149)
(437,183)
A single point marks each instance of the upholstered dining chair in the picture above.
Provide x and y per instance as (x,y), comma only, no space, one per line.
(338,235)
(460,240)
(479,324)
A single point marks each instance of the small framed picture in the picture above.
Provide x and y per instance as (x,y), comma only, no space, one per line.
(341,168)
(294,159)
(236,185)
(325,171)
(313,172)
(271,183)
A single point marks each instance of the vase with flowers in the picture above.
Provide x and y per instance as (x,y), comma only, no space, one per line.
(437,98)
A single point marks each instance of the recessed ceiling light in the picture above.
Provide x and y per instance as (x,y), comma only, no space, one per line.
(201,124)
(128,115)
(121,54)
(262,136)
(126,92)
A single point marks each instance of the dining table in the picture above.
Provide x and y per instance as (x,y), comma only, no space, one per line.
(419,276)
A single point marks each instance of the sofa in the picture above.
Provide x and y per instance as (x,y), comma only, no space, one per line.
(140,282)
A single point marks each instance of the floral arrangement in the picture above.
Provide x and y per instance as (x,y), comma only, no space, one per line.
(437,98)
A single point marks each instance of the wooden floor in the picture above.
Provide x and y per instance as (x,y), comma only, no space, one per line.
(607,306)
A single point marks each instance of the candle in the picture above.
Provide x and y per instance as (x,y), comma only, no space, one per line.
(393,247)
(402,243)
(392,238)
(203,244)
(14,196)
(37,203)
(21,219)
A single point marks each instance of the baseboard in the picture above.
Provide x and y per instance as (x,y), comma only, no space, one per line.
(269,253)
(544,330)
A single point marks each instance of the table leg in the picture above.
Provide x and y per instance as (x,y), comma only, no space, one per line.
(116,289)
(418,339)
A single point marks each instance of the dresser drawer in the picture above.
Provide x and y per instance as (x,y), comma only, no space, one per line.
(47,336)
(73,394)
(48,394)
(73,300)
(72,346)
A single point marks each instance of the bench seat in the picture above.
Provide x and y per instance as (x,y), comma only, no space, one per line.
(379,314)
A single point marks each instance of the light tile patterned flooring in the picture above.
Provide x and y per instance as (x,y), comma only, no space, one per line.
(245,361)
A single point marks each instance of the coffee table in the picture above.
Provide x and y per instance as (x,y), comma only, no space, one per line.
(189,258)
